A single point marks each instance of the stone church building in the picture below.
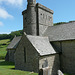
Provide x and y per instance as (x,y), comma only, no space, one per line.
(42,44)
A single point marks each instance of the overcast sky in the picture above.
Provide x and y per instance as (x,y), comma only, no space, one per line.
(11,18)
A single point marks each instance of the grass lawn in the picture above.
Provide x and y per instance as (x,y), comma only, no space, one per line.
(3,52)
(6,41)
(7,68)
(3,46)
(67,74)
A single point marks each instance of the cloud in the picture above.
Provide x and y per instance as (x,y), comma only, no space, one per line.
(4,14)
(13,2)
(1,24)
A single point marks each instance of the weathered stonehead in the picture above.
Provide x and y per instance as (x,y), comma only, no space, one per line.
(31,1)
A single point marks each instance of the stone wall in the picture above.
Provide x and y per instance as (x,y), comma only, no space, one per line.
(30,63)
(52,61)
(7,56)
(11,55)
(68,57)
(57,46)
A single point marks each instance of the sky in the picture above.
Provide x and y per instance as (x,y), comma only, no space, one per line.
(11,18)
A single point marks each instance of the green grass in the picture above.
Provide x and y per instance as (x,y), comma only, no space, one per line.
(3,46)
(7,68)
(67,74)
(6,41)
(3,52)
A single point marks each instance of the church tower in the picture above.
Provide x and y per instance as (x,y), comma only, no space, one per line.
(36,18)
(29,18)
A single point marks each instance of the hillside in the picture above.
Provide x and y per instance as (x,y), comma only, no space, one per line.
(11,35)
(3,44)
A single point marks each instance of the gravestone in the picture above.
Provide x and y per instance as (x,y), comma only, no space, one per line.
(44,71)
(60,73)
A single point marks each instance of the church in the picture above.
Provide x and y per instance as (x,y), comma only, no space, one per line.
(42,44)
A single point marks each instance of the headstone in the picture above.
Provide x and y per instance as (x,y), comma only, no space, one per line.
(60,73)
(44,71)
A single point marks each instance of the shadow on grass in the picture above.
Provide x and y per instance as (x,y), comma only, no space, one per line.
(2,57)
(6,63)
(1,47)
(69,74)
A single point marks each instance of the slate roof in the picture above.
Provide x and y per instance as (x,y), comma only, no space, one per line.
(14,43)
(61,32)
(41,44)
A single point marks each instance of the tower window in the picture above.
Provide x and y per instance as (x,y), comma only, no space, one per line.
(26,19)
(50,18)
(46,16)
(41,13)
